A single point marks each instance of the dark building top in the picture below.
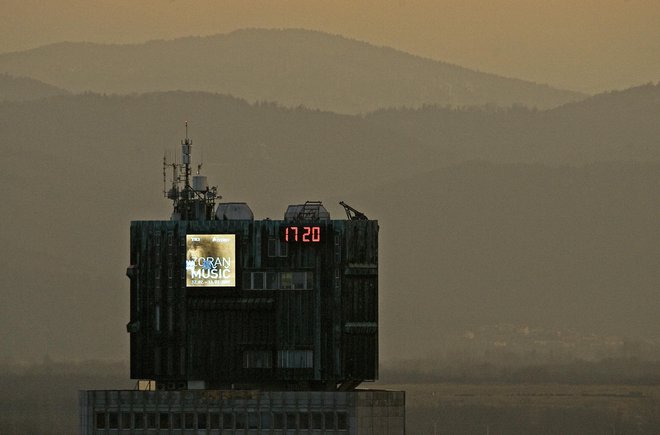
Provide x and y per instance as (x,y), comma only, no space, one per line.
(242,303)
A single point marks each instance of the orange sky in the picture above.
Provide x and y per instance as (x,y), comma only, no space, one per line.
(588,45)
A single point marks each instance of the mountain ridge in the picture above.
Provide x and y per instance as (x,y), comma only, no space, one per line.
(14,88)
(291,66)
(527,230)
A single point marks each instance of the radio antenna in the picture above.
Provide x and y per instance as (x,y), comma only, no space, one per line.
(193,198)
(199,167)
(186,146)
(165,173)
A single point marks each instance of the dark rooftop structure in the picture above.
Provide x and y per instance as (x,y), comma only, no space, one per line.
(226,307)
(300,314)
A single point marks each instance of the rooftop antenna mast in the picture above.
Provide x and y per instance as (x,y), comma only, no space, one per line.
(173,192)
(201,162)
(193,198)
(165,174)
(186,146)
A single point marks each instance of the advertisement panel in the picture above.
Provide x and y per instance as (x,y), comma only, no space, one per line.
(210,260)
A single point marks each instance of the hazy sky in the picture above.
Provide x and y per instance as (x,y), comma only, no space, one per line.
(587,45)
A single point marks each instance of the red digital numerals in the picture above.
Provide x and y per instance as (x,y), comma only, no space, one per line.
(302,234)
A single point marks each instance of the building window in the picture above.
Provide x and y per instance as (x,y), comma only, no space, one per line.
(157,360)
(201,421)
(164,420)
(291,422)
(286,280)
(176,420)
(100,420)
(342,421)
(277,248)
(266,420)
(282,280)
(182,360)
(253,420)
(303,280)
(227,420)
(295,359)
(330,420)
(272,247)
(272,282)
(296,280)
(215,420)
(189,420)
(261,281)
(240,420)
(125,420)
(157,318)
(303,419)
(258,281)
(278,420)
(151,420)
(138,420)
(317,420)
(113,420)
(257,359)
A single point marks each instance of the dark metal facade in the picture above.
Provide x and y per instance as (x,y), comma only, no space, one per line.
(260,333)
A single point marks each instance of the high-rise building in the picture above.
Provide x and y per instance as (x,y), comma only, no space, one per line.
(245,326)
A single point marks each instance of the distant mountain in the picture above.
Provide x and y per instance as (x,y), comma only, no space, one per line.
(620,125)
(291,67)
(23,89)
(635,103)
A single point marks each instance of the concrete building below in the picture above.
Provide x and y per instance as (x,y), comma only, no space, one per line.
(245,412)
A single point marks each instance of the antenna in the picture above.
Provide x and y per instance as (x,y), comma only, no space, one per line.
(186,146)
(193,198)
(199,167)
(165,173)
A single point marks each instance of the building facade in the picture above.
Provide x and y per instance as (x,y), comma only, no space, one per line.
(249,326)
(213,412)
(298,308)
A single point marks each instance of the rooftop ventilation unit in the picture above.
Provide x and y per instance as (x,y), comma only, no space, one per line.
(310,211)
(234,211)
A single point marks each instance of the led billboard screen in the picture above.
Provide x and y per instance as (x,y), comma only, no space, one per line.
(210,260)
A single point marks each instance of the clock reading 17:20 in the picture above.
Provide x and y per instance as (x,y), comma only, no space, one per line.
(304,234)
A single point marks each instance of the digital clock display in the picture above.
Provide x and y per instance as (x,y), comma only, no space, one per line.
(301,234)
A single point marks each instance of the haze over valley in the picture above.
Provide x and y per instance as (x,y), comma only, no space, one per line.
(509,151)
(524,216)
